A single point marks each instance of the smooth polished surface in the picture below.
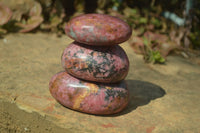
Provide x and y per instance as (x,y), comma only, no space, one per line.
(88,97)
(98,29)
(92,63)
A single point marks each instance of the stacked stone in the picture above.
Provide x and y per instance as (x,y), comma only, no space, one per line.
(95,66)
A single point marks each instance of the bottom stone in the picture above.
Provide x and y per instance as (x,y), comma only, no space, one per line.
(93,98)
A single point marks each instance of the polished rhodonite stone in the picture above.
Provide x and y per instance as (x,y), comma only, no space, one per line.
(89,97)
(98,29)
(92,63)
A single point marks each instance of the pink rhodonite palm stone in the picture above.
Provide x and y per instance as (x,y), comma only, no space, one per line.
(89,97)
(98,30)
(92,63)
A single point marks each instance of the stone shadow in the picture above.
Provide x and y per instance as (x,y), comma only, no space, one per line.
(141,93)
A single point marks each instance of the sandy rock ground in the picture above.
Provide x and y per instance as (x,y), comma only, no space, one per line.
(163,98)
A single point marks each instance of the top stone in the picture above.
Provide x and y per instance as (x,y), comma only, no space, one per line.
(98,30)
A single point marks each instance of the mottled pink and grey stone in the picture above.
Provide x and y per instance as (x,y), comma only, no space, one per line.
(98,29)
(92,63)
(88,97)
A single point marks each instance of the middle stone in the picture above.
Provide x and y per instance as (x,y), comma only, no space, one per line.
(93,63)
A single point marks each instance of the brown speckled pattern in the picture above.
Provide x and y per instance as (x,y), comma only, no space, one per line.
(100,64)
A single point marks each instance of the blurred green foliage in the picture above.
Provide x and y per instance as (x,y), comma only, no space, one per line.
(144,16)
(150,55)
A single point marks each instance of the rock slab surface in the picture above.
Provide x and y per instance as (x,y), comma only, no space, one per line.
(163,98)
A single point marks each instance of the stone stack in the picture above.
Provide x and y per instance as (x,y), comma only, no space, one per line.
(95,66)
